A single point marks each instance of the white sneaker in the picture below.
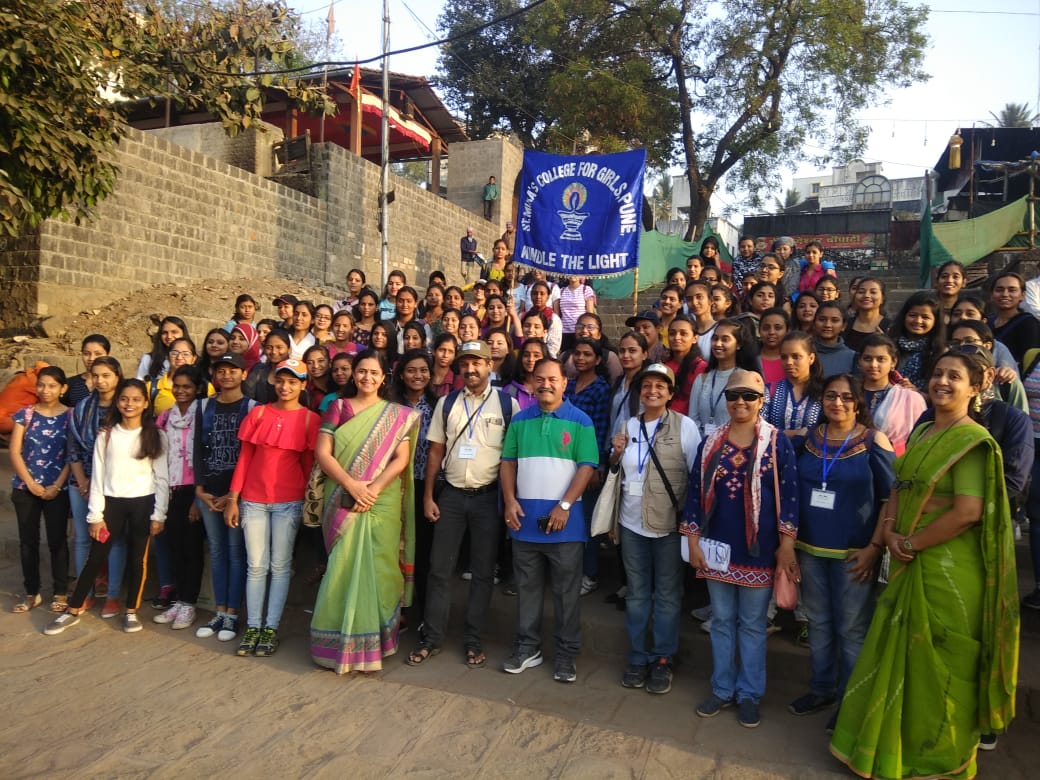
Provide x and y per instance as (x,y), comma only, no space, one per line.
(169,616)
(210,628)
(706,626)
(588,584)
(60,623)
(230,629)
(185,617)
(131,623)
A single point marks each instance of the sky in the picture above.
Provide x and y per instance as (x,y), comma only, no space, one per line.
(981,56)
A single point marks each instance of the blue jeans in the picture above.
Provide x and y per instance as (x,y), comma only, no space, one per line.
(655,578)
(839,612)
(590,559)
(738,621)
(227,560)
(82,541)
(270,533)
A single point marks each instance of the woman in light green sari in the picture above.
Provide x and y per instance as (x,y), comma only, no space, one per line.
(365,448)
(939,666)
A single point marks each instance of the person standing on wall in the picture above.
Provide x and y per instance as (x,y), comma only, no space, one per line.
(490,196)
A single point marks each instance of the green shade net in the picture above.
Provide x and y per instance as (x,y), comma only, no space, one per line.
(657,253)
(969,239)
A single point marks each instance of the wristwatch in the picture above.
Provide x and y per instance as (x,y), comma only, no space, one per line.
(908,545)
(565,506)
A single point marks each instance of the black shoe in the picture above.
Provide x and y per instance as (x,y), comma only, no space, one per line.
(747,714)
(634,676)
(566,671)
(810,703)
(660,680)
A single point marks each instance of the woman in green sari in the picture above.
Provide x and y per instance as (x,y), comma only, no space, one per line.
(939,666)
(365,448)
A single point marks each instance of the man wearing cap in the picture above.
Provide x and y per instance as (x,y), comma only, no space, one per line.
(285,305)
(648,324)
(647,522)
(465,436)
(549,455)
(510,238)
(468,247)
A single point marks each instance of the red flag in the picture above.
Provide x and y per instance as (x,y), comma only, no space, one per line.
(355,81)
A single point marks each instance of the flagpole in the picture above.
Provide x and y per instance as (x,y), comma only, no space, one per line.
(635,291)
(330,24)
(384,179)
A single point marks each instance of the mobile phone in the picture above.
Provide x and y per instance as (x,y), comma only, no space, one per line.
(543,524)
(347,501)
(103,536)
(895,377)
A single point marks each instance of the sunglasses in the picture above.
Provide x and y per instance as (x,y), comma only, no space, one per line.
(748,396)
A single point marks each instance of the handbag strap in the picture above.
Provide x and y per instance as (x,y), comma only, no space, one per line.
(657,464)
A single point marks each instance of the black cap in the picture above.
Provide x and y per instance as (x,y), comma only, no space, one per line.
(232,358)
(286,299)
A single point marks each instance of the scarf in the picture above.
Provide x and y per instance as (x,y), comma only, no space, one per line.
(911,346)
(180,432)
(764,441)
(252,354)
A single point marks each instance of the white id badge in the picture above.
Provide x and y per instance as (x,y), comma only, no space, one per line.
(716,554)
(634,488)
(822,499)
(467,452)
(710,428)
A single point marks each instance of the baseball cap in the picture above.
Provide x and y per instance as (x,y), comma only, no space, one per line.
(286,299)
(295,367)
(474,349)
(659,369)
(649,315)
(742,379)
(230,358)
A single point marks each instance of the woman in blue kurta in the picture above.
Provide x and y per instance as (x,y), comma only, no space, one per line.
(748,526)
(844,474)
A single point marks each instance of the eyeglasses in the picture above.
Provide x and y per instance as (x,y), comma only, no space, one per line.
(973,341)
(586,326)
(769,267)
(175,353)
(845,398)
(747,396)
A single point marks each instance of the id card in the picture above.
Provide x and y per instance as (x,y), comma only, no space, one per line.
(634,488)
(716,554)
(467,452)
(710,428)
(822,499)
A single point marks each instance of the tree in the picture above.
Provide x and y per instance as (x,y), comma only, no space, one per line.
(60,59)
(753,85)
(1014,115)
(662,196)
(791,199)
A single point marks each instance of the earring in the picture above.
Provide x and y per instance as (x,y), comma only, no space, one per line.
(977,404)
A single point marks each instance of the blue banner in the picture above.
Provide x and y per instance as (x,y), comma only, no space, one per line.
(580,216)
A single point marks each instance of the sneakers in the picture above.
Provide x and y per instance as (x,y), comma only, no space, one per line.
(772,627)
(250,639)
(712,706)
(520,660)
(588,584)
(1032,601)
(634,676)
(111,608)
(566,671)
(60,623)
(706,626)
(268,643)
(660,677)
(230,629)
(802,640)
(168,616)
(747,714)
(185,617)
(467,576)
(209,629)
(810,703)
(988,742)
(165,598)
(701,613)
(131,623)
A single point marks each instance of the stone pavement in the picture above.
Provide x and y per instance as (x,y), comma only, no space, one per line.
(95,702)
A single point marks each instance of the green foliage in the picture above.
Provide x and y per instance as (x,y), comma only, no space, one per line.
(1015,115)
(739,88)
(60,60)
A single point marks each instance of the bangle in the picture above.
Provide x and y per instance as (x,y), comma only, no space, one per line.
(887,520)
(877,544)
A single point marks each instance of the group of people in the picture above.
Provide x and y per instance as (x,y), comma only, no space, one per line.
(758,435)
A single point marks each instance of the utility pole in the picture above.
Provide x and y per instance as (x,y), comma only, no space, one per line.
(384,177)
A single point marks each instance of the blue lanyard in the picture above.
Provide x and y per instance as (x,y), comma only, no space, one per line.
(474,416)
(640,458)
(712,405)
(827,466)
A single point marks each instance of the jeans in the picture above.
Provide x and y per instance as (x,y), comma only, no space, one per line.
(590,559)
(270,533)
(738,622)
(82,542)
(655,578)
(839,612)
(459,512)
(55,513)
(227,560)
(185,544)
(562,561)
(128,519)
(1033,512)
(163,559)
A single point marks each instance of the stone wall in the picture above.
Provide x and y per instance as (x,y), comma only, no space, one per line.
(178,214)
(469,166)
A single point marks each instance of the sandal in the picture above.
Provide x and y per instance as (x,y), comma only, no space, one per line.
(421,653)
(29,602)
(475,657)
(59,603)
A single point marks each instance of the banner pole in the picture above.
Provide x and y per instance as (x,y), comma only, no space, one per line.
(635,291)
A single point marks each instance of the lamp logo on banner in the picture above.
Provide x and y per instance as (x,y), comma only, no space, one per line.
(580,216)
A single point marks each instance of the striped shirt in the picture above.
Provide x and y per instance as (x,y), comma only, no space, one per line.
(548,448)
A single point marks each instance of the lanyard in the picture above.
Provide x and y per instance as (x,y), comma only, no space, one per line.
(827,466)
(640,458)
(712,405)
(471,417)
